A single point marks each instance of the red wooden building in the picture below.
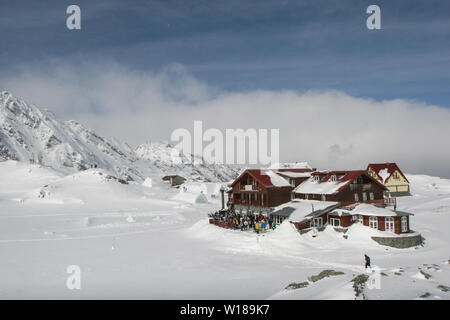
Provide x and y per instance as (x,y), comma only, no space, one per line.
(258,190)
(383,219)
(345,187)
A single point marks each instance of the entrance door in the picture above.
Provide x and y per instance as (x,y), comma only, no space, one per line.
(389,224)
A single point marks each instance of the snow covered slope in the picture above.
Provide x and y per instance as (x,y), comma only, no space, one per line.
(30,135)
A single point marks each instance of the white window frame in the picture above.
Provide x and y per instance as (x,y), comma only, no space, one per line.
(356,197)
(361,219)
(292,195)
(306,197)
(371,196)
(404,223)
(373,222)
(292,181)
(364,196)
(333,178)
(333,220)
(324,198)
(317,222)
(389,224)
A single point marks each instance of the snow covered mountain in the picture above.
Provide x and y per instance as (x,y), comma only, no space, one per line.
(160,154)
(32,135)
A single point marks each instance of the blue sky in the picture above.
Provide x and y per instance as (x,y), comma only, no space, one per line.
(246,45)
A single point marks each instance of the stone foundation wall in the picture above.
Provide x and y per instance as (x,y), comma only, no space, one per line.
(399,242)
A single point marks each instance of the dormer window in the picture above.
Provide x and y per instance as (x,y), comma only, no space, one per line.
(333,178)
(316,178)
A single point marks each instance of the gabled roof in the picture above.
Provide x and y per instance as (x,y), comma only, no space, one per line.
(391,167)
(295,173)
(326,186)
(266,177)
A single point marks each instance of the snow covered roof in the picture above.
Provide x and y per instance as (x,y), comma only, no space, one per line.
(295,174)
(365,209)
(291,165)
(276,180)
(300,209)
(267,177)
(385,170)
(340,213)
(322,182)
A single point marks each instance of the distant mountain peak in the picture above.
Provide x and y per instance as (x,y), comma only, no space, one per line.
(31,135)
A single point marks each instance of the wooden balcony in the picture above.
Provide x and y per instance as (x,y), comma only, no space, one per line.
(360,187)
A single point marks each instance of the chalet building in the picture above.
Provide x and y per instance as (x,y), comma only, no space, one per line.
(344,187)
(259,190)
(391,176)
(382,219)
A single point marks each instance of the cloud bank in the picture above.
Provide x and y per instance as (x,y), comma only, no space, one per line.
(329,129)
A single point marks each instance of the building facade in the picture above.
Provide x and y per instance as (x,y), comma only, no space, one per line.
(345,187)
(391,176)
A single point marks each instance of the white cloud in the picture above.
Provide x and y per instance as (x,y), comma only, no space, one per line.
(328,129)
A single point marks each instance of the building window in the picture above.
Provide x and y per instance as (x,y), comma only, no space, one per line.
(404,224)
(317,222)
(333,178)
(306,197)
(364,196)
(243,197)
(371,196)
(335,222)
(389,224)
(373,222)
(292,195)
(324,198)
(356,197)
(361,219)
(256,196)
(262,199)
(292,182)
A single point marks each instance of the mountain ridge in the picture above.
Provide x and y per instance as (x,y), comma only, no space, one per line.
(31,134)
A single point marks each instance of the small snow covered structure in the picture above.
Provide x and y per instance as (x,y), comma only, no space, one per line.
(191,197)
(390,175)
(173,180)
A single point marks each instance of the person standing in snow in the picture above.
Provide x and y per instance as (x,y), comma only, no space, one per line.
(366,257)
(257,227)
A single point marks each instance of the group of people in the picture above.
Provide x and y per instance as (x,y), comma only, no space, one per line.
(257,223)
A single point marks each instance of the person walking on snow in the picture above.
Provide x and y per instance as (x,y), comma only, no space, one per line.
(366,257)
